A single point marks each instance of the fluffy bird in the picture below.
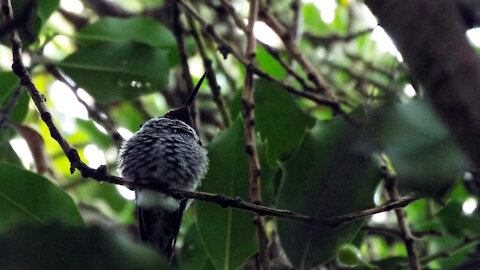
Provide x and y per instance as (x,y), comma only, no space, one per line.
(167,151)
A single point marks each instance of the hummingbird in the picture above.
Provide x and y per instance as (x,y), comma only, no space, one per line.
(168,151)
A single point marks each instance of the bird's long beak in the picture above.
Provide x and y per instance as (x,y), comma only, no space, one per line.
(192,95)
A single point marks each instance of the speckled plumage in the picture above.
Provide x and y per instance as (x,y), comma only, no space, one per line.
(170,152)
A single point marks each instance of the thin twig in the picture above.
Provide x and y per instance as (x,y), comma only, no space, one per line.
(295,52)
(467,242)
(356,76)
(405,233)
(329,39)
(212,80)
(396,232)
(248,107)
(226,48)
(20,20)
(276,54)
(177,29)
(93,112)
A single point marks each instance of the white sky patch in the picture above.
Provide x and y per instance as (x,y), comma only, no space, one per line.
(102,129)
(368,16)
(126,134)
(20,147)
(469,205)
(326,7)
(385,43)
(5,57)
(125,192)
(379,218)
(265,34)
(409,91)
(196,66)
(85,96)
(66,102)
(473,36)
(75,6)
(94,155)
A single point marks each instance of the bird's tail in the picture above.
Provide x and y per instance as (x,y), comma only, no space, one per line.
(159,227)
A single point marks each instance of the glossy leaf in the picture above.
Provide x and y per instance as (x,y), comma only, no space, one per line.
(228,235)
(30,198)
(101,139)
(140,29)
(8,85)
(193,255)
(59,246)
(424,154)
(327,177)
(115,71)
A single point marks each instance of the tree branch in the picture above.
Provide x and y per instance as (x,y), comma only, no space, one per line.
(225,48)
(248,112)
(212,80)
(93,112)
(405,233)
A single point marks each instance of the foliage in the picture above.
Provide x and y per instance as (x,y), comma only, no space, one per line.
(123,63)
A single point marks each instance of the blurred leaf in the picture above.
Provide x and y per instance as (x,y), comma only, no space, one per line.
(102,195)
(228,235)
(101,139)
(140,29)
(416,141)
(46,8)
(193,255)
(8,85)
(327,177)
(312,20)
(279,120)
(456,223)
(269,64)
(126,115)
(44,203)
(7,153)
(59,246)
(36,145)
(115,71)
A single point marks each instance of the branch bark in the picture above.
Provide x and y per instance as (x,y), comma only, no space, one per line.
(431,38)
(254,192)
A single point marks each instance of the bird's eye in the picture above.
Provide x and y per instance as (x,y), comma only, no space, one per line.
(140,126)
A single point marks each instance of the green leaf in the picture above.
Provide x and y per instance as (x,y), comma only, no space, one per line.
(29,197)
(8,85)
(193,255)
(140,29)
(228,235)
(267,63)
(456,223)
(279,120)
(7,153)
(46,8)
(59,246)
(116,71)
(416,141)
(327,177)
(101,139)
